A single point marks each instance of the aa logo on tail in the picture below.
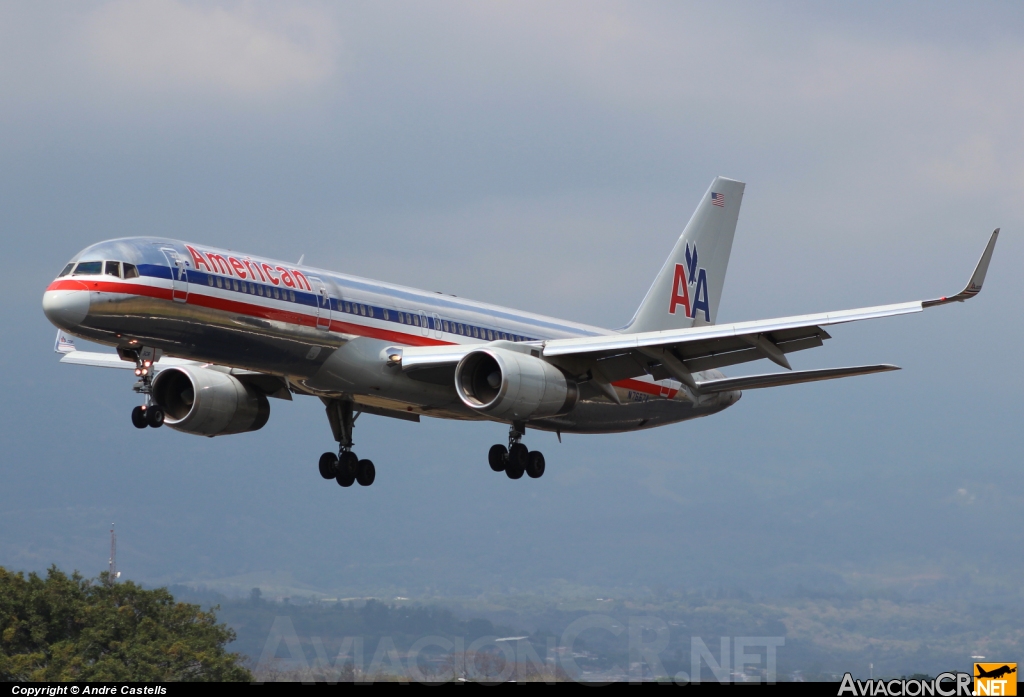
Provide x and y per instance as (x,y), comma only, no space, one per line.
(684,277)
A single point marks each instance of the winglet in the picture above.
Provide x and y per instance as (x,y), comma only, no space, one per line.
(974,285)
(64,343)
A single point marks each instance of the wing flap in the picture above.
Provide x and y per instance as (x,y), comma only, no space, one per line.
(754,382)
(749,353)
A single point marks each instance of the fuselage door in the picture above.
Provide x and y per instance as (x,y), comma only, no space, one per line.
(424,325)
(437,325)
(179,275)
(323,303)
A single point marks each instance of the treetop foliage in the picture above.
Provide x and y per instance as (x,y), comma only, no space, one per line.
(69,628)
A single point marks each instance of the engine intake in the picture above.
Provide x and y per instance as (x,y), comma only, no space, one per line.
(511,385)
(208,402)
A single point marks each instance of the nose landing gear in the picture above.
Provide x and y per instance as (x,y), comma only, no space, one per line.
(139,417)
(516,459)
(147,414)
(345,468)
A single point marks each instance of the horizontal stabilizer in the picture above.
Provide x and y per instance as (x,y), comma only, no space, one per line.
(753,382)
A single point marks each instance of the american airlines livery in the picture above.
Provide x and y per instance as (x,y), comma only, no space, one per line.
(212,334)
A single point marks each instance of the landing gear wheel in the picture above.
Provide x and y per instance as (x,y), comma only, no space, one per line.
(518,454)
(497,457)
(535,464)
(365,473)
(347,462)
(328,465)
(346,472)
(155,417)
(139,417)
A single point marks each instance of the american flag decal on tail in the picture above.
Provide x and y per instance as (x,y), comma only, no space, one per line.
(718,200)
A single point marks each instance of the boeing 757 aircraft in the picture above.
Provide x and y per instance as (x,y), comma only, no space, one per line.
(211,334)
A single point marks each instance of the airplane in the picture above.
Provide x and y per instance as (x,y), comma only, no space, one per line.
(994,673)
(212,334)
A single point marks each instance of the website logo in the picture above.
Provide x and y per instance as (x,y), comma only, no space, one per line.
(995,678)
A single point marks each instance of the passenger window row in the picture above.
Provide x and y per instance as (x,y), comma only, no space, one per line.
(250,288)
(359,309)
(117,269)
(459,328)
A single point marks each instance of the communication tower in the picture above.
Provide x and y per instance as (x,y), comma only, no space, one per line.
(114,573)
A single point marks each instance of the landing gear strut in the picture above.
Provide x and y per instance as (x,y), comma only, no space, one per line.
(516,459)
(345,468)
(147,414)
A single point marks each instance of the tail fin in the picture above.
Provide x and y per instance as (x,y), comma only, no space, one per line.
(689,285)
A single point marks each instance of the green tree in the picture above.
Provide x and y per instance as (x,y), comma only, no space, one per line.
(70,628)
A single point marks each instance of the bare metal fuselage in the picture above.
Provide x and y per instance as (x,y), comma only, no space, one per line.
(328,334)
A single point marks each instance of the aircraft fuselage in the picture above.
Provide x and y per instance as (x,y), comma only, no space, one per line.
(328,334)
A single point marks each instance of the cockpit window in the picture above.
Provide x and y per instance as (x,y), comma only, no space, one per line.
(130,271)
(67,270)
(89,268)
(113,268)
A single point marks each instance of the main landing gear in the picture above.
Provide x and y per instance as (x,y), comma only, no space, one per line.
(346,468)
(147,414)
(516,459)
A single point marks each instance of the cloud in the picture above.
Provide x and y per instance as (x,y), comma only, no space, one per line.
(161,44)
(964,497)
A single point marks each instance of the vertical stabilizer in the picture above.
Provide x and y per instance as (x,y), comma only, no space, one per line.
(688,287)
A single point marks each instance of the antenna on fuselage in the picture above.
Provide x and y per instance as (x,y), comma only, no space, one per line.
(299,262)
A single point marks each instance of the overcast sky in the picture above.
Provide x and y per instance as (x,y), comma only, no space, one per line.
(543,156)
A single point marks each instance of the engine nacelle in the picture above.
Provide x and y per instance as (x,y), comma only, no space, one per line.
(511,385)
(208,402)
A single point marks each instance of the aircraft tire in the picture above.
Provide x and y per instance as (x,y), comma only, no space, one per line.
(328,465)
(345,480)
(139,417)
(513,471)
(365,473)
(497,456)
(518,455)
(347,463)
(535,464)
(155,417)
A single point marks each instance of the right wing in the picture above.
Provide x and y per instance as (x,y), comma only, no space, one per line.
(112,360)
(271,385)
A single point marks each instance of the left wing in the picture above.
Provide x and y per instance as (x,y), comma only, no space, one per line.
(678,353)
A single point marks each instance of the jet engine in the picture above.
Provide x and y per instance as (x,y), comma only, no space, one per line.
(208,402)
(511,385)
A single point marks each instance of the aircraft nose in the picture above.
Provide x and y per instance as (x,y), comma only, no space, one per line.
(66,308)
